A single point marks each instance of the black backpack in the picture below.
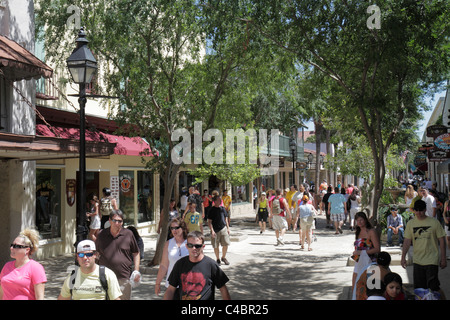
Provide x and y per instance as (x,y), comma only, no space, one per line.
(103,280)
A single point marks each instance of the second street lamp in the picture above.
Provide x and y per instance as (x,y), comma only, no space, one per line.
(82,66)
(293,146)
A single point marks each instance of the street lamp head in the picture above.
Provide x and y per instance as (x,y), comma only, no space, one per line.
(292,144)
(81,63)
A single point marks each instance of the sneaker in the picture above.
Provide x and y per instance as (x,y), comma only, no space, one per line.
(281,241)
(225,261)
(218,261)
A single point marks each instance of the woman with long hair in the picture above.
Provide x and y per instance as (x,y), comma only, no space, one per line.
(366,242)
(410,194)
(94,216)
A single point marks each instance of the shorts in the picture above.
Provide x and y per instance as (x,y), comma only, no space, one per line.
(222,238)
(426,277)
(263,214)
(337,217)
(95,223)
(306,222)
(279,222)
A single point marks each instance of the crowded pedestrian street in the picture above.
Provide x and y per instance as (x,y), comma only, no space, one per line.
(259,270)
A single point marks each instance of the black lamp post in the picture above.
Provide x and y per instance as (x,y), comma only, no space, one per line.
(82,66)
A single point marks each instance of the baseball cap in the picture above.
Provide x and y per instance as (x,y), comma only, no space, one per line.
(86,245)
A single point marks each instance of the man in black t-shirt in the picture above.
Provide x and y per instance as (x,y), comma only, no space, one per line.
(220,229)
(196,275)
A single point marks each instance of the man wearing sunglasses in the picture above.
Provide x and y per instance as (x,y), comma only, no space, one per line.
(119,252)
(196,275)
(85,283)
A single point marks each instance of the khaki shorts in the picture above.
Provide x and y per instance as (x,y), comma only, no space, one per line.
(222,238)
(279,222)
(306,222)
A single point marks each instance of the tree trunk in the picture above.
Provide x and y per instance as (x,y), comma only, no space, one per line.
(170,175)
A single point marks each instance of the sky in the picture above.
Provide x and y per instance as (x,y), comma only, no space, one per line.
(422,124)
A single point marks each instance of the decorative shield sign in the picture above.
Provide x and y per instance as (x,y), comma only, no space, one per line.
(443,141)
(71,191)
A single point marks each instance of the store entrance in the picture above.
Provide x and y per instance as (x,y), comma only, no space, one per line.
(92,186)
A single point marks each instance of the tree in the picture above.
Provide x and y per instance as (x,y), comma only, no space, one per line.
(383,70)
(171,63)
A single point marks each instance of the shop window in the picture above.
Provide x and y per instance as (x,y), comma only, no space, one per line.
(126,195)
(267,182)
(240,194)
(48,203)
(146,201)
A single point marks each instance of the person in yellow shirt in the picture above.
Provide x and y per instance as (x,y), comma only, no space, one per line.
(193,219)
(427,237)
(226,199)
(289,195)
(85,284)
(262,212)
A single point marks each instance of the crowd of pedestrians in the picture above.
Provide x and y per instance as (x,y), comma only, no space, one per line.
(110,258)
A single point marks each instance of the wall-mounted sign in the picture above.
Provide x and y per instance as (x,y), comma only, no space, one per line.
(71,191)
(443,141)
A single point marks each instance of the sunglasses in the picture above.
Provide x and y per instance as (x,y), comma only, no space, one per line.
(82,254)
(117,220)
(191,245)
(175,228)
(18,246)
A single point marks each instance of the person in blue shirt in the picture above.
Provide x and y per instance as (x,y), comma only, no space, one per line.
(394,226)
(337,208)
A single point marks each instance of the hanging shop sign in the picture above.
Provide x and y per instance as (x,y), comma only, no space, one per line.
(443,141)
(436,130)
(438,155)
(420,159)
(301,165)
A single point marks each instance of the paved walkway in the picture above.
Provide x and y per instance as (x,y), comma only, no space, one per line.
(259,270)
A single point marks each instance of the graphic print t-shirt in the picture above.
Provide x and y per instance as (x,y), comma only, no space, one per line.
(197,281)
(423,234)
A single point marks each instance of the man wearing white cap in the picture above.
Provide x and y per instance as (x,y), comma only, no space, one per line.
(85,282)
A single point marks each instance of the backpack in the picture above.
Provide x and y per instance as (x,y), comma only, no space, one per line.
(277,205)
(103,280)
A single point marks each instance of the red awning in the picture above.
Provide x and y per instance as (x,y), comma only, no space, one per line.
(124,145)
(17,63)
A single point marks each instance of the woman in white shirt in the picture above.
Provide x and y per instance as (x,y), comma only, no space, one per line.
(174,249)
(355,201)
